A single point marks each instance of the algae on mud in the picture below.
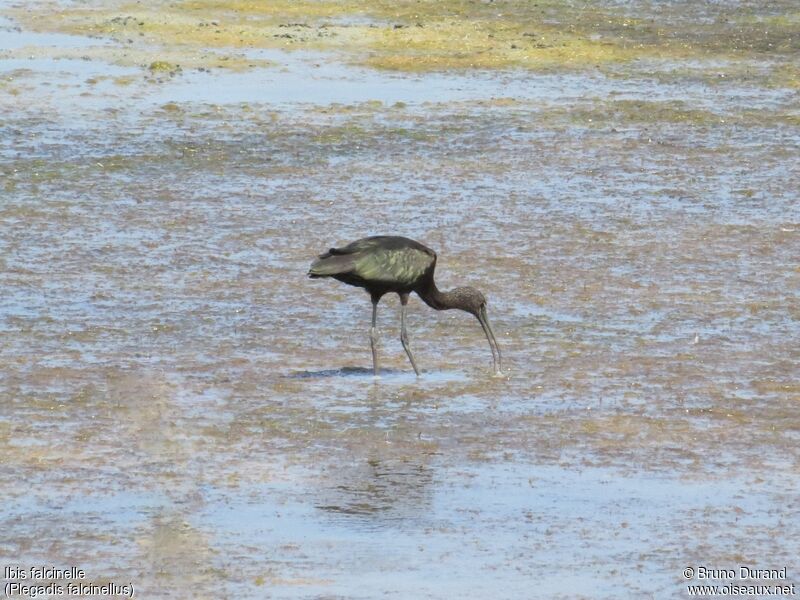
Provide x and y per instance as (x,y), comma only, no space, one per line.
(445,34)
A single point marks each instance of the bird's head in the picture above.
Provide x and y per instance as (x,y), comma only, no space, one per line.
(469,299)
(472,301)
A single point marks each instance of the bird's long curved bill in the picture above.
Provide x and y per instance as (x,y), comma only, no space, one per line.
(487,329)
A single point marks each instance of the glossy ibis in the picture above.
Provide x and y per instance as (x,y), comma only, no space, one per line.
(384,264)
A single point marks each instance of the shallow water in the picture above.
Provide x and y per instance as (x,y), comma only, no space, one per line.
(183,409)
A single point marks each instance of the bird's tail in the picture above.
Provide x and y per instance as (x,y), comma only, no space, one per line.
(330,264)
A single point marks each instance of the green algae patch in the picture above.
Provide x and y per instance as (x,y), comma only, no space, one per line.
(154,62)
(161,66)
(642,111)
(490,44)
(430,35)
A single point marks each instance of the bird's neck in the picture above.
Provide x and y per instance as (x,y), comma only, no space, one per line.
(438,300)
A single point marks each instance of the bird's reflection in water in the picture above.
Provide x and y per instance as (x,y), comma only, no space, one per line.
(382,490)
(385,473)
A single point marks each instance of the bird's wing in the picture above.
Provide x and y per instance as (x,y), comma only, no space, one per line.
(341,261)
(392,266)
(389,260)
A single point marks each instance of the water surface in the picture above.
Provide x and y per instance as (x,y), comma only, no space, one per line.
(183,409)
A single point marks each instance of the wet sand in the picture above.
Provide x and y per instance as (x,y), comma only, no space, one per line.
(184,410)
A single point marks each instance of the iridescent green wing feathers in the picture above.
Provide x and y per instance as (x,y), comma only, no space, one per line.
(401,266)
(393,262)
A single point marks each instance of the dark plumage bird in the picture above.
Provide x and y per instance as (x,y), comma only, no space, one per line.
(384,264)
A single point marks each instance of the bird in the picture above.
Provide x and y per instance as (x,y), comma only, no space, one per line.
(384,264)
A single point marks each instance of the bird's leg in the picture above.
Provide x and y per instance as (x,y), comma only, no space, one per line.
(404,333)
(373,335)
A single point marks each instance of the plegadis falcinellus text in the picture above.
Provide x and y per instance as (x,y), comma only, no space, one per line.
(384,264)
